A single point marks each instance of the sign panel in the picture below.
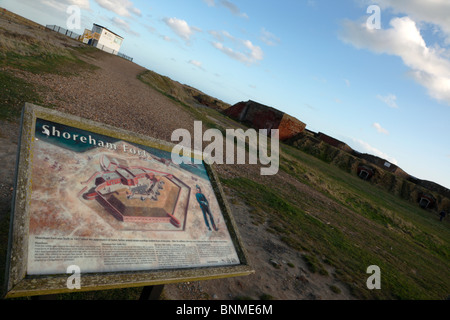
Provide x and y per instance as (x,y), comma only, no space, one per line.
(113,204)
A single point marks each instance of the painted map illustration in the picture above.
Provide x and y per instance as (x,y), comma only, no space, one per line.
(110,205)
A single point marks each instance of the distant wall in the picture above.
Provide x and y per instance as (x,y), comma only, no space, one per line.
(395,180)
(334,142)
(259,116)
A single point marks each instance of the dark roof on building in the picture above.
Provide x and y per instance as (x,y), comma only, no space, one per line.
(108,30)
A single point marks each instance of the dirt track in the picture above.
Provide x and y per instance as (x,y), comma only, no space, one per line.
(114,96)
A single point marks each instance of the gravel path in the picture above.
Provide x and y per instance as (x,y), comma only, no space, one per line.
(113,95)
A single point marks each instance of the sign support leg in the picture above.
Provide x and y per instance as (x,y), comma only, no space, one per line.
(151,292)
(44,297)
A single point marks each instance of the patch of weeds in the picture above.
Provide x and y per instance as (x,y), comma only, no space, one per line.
(294,243)
(279,229)
(314,265)
(257,220)
(335,289)
(243,298)
(311,263)
(328,261)
(266,296)
(291,265)
(14,92)
(323,272)
(89,51)
(66,64)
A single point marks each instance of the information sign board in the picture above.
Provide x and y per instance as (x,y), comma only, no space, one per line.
(111,204)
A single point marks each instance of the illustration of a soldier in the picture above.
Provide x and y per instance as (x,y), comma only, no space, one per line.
(204,205)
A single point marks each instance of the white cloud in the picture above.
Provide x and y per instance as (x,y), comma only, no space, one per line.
(120,23)
(320,79)
(136,11)
(309,106)
(56,12)
(243,50)
(390,100)
(430,66)
(269,38)
(229,5)
(83,4)
(367,148)
(251,54)
(379,128)
(233,8)
(217,35)
(124,8)
(123,25)
(196,63)
(436,12)
(167,38)
(181,28)
(150,29)
(210,3)
(62,5)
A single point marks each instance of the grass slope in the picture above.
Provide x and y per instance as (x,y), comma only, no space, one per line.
(348,225)
(354,225)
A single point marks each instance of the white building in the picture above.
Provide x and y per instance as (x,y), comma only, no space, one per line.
(106,40)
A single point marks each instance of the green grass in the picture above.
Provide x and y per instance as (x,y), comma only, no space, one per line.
(314,265)
(14,92)
(266,296)
(335,289)
(66,65)
(354,226)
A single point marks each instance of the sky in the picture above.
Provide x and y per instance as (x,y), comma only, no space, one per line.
(373,74)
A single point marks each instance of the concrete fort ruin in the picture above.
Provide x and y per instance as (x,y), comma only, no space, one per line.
(259,116)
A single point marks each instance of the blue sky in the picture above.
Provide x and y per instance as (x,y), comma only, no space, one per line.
(384,91)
